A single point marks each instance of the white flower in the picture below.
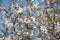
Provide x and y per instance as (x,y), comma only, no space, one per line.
(8,38)
(26,20)
(20,10)
(18,32)
(36,5)
(2,8)
(29,8)
(13,15)
(3,12)
(20,19)
(33,19)
(39,39)
(12,4)
(11,24)
(43,28)
(27,33)
(57,31)
(58,24)
(34,26)
(48,2)
(41,12)
(6,22)
(17,5)
(8,25)
(32,34)
(49,9)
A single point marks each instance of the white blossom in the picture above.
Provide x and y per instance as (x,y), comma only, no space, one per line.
(37,4)
(48,2)
(49,9)
(34,27)
(2,7)
(58,24)
(20,19)
(36,23)
(33,19)
(27,33)
(8,38)
(13,15)
(17,5)
(8,25)
(26,20)
(19,32)
(32,34)
(39,39)
(19,11)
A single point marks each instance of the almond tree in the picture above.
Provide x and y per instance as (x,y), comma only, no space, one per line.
(36,23)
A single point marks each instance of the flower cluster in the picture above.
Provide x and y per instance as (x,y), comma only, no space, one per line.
(39,22)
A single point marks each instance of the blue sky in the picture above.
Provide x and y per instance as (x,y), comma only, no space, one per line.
(6,4)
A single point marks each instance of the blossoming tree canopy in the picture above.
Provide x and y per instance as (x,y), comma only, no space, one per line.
(28,20)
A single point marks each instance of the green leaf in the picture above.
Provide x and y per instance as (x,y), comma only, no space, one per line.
(28,26)
(57,20)
(26,38)
(21,14)
(49,19)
